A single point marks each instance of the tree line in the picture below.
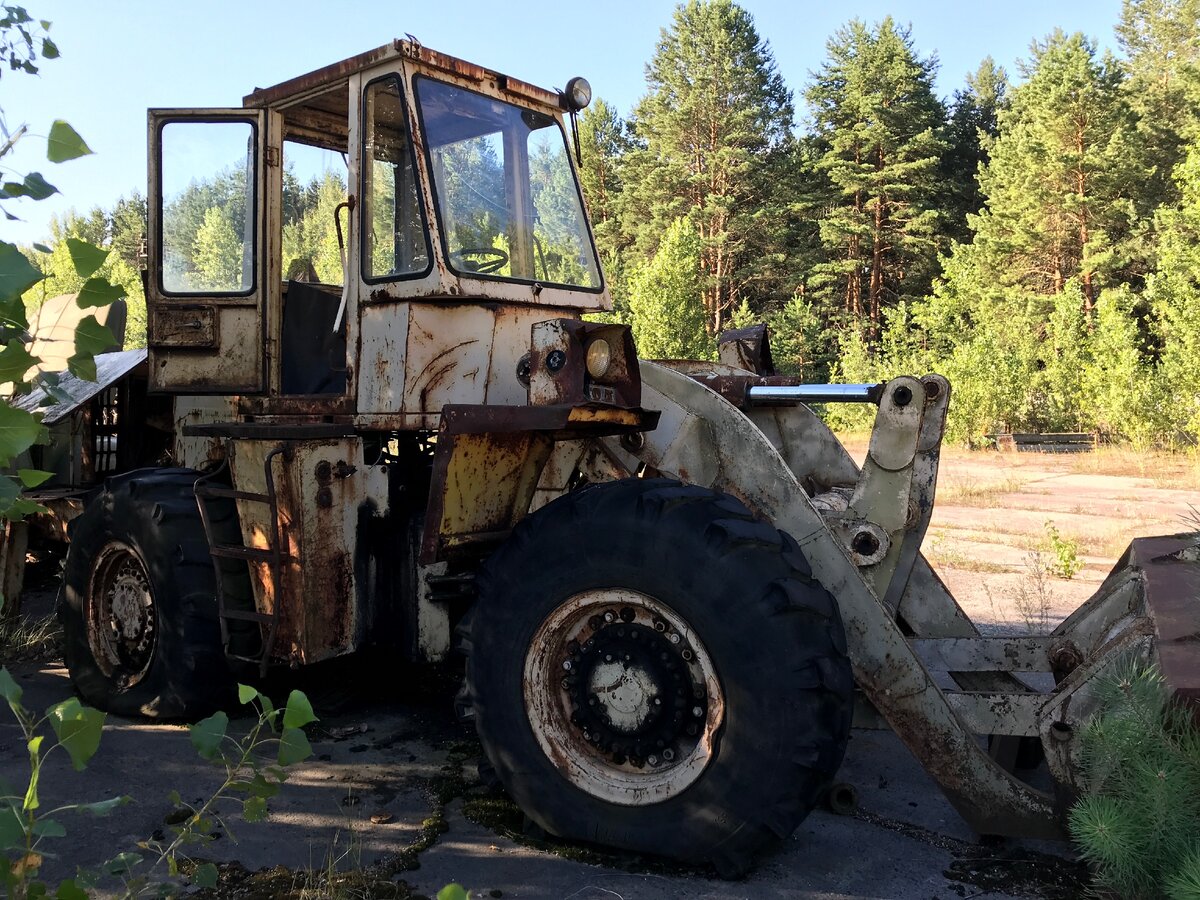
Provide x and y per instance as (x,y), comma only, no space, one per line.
(1033,238)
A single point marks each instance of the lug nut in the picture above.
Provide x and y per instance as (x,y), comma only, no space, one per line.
(567,665)
(688,655)
(652,759)
(669,754)
(658,701)
(608,657)
(697,711)
(674,639)
(609,617)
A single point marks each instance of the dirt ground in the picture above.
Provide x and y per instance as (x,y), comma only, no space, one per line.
(392,786)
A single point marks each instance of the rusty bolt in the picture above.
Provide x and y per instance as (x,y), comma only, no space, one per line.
(865,544)
(324,472)
(609,617)
(325,498)
(932,390)
(555,360)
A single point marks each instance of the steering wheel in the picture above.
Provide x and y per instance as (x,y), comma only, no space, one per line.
(487,259)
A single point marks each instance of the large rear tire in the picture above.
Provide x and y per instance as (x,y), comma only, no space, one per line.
(138,600)
(651,668)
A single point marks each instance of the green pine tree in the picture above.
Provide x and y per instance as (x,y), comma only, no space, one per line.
(715,112)
(875,111)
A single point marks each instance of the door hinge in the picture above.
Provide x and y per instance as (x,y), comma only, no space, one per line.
(272,156)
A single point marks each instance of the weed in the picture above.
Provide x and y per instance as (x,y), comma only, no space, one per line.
(966,491)
(23,639)
(1066,562)
(1033,596)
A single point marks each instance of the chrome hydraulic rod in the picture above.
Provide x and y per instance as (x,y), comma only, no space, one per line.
(771,394)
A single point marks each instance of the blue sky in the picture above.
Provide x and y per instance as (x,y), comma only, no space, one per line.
(122,57)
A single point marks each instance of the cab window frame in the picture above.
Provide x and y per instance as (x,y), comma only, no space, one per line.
(252,199)
(365,186)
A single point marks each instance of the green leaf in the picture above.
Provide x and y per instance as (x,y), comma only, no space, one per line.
(10,690)
(205,875)
(299,711)
(10,494)
(102,807)
(15,361)
(293,747)
(246,693)
(452,892)
(254,809)
(122,863)
(34,186)
(91,337)
(78,729)
(207,734)
(86,258)
(49,49)
(98,292)
(19,430)
(69,890)
(64,143)
(31,478)
(17,274)
(12,828)
(48,828)
(82,365)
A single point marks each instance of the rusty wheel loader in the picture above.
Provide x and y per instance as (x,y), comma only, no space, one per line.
(674,588)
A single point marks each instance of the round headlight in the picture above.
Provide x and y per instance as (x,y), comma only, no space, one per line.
(599,358)
(579,93)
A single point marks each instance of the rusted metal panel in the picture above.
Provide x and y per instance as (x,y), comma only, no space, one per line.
(997,713)
(747,348)
(110,368)
(186,325)
(321,486)
(489,461)
(1171,569)
(296,89)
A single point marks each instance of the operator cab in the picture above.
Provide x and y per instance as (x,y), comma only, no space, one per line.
(347,241)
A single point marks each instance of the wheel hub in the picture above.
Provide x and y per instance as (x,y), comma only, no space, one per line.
(633,711)
(121,617)
(631,691)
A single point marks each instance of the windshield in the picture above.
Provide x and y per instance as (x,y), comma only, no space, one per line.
(507,197)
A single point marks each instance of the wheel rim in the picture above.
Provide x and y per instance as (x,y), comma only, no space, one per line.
(122,620)
(622,696)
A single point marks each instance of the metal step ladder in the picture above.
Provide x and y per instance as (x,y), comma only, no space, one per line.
(207,489)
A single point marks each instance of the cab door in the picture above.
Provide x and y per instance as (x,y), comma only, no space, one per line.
(214,177)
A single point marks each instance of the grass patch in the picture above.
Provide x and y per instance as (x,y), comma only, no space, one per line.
(965,490)
(25,639)
(1172,471)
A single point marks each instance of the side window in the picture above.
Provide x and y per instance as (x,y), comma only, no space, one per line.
(395,238)
(314,183)
(207,172)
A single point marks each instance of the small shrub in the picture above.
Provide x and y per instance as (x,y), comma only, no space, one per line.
(1139,825)
(1065,552)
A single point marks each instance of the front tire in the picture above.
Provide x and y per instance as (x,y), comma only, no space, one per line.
(651,668)
(138,601)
